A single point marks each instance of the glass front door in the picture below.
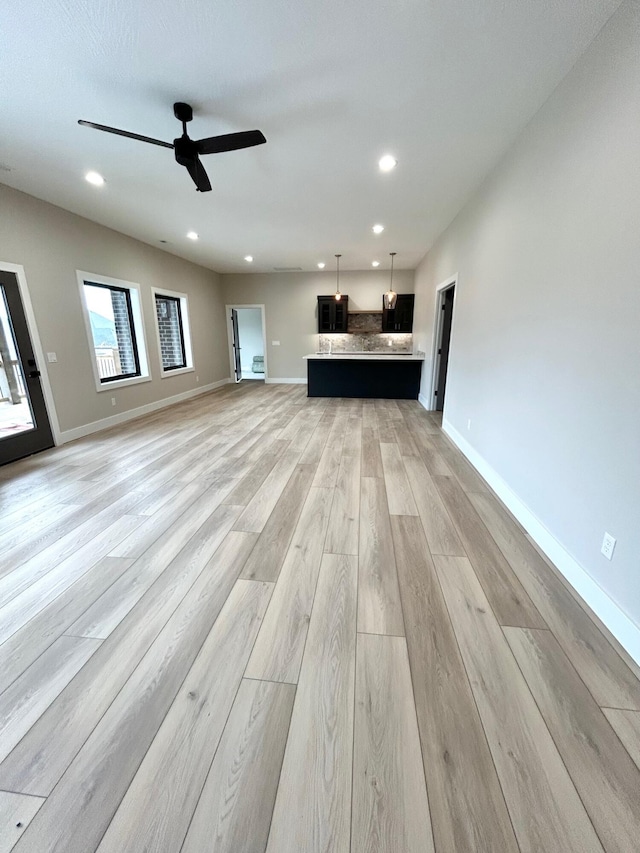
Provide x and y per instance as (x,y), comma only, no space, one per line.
(24,424)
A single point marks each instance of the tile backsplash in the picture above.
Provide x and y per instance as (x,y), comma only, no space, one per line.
(366,342)
(364,321)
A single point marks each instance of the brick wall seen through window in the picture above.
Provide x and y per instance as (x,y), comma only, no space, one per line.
(170,332)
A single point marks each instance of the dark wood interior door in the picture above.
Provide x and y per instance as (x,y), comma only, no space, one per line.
(443,350)
(24,423)
(236,346)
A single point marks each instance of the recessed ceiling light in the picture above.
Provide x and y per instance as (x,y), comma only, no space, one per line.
(192,235)
(375,263)
(321,265)
(94,178)
(387,163)
(248,258)
(378,229)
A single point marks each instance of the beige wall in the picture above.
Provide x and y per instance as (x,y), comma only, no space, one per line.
(291,308)
(52,244)
(545,354)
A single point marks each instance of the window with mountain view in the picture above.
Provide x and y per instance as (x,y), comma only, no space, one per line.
(116,334)
(113,331)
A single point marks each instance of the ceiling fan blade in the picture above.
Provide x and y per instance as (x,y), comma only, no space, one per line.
(200,177)
(125,133)
(230,142)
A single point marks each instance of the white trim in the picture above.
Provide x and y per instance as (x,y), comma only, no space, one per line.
(621,626)
(424,402)
(294,381)
(452,281)
(232,364)
(131,414)
(135,291)
(185,331)
(18,271)
(177,371)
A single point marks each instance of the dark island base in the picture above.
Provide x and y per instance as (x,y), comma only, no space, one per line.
(391,380)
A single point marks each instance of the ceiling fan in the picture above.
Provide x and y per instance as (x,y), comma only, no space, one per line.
(187,151)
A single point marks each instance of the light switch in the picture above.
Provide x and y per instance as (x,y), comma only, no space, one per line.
(275,343)
(51,357)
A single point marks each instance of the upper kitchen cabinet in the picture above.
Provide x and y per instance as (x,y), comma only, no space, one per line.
(400,318)
(332,315)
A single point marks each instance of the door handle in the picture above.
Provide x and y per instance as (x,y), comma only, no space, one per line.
(34,374)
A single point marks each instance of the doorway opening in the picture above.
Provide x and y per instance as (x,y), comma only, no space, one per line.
(24,421)
(445,299)
(247,342)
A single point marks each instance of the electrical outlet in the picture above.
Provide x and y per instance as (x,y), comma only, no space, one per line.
(469,424)
(197,379)
(52,357)
(608,544)
(113,401)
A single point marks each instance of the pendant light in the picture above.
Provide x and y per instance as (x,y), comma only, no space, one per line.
(337,295)
(390,297)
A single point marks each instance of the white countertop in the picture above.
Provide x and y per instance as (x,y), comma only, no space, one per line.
(363,356)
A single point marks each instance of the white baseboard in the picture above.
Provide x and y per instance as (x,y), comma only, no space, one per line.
(621,626)
(131,414)
(285,381)
(424,402)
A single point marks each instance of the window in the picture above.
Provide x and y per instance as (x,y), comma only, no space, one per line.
(172,326)
(169,316)
(116,333)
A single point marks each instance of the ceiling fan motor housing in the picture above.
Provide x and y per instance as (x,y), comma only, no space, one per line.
(185,149)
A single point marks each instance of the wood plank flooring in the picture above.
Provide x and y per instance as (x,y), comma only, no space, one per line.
(261,622)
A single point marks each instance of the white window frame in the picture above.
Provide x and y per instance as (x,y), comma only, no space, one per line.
(186,332)
(138,324)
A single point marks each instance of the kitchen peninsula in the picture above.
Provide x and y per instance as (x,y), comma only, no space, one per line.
(393,376)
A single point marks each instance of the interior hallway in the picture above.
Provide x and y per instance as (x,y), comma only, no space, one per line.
(256,621)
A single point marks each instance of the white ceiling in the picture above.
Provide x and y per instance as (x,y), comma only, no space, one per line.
(333,84)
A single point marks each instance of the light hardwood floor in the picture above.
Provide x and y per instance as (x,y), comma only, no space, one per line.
(261,622)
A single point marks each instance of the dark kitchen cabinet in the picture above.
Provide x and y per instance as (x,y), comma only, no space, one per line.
(400,318)
(386,378)
(333,315)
